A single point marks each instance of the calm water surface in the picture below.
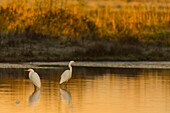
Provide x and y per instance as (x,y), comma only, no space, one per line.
(91,90)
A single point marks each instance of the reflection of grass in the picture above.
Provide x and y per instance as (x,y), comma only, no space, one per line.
(135,25)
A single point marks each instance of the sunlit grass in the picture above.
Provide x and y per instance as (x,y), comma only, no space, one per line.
(77,19)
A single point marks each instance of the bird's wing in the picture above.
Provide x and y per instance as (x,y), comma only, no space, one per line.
(35,79)
(65,76)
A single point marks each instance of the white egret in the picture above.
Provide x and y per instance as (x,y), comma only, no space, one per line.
(67,74)
(34,77)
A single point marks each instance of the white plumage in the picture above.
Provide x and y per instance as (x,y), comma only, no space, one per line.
(67,74)
(34,77)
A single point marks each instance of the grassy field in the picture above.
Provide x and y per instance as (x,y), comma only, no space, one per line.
(52,30)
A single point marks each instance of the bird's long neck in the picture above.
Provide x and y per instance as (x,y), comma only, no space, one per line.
(70,67)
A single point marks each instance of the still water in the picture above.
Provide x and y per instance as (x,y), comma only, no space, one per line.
(91,90)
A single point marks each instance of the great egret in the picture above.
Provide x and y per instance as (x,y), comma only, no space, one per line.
(66,75)
(33,76)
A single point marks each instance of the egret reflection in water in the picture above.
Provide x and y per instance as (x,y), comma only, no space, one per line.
(34,98)
(66,95)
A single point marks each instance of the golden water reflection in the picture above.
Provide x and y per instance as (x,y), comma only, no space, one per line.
(34,98)
(92,90)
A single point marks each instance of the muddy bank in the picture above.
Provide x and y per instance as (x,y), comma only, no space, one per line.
(49,65)
(42,48)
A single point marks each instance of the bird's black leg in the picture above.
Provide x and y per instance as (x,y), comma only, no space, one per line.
(66,85)
(35,88)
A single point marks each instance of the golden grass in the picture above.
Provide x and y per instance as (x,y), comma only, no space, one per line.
(78,18)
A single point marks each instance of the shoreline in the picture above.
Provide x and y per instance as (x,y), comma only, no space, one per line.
(96,64)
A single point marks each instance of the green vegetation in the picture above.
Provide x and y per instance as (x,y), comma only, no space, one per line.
(48,31)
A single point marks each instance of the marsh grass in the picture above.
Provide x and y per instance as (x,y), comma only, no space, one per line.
(85,29)
(78,19)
